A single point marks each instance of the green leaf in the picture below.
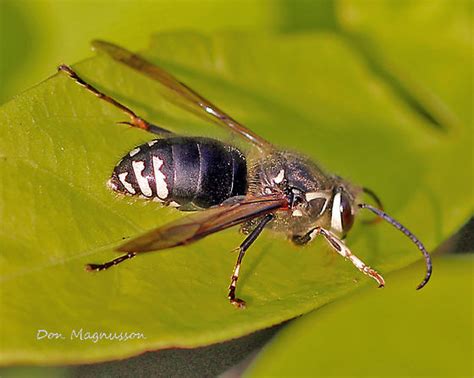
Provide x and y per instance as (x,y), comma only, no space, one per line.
(428,59)
(35,35)
(398,333)
(311,93)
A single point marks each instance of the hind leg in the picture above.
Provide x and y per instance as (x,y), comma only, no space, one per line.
(135,121)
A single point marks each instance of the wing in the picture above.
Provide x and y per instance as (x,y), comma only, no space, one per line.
(198,225)
(191,97)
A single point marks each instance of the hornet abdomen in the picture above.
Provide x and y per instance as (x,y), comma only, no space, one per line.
(187,172)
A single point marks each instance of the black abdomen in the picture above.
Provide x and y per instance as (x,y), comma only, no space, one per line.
(188,172)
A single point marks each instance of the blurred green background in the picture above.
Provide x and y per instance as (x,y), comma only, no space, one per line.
(35,36)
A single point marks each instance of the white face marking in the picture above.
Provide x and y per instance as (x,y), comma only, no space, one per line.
(336,221)
(134,152)
(138,167)
(152,142)
(297,213)
(125,183)
(161,186)
(279,178)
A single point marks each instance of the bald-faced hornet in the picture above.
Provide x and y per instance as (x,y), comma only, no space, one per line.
(279,190)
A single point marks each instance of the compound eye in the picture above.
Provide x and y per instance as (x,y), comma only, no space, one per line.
(346,213)
(342,217)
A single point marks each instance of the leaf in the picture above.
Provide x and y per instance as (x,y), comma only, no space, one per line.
(400,333)
(419,57)
(311,93)
(35,35)
(368,332)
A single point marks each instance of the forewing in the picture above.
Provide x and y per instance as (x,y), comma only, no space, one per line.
(198,225)
(182,90)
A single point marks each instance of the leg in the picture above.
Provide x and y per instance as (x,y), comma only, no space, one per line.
(239,303)
(135,120)
(339,246)
(108,264)
(302,239)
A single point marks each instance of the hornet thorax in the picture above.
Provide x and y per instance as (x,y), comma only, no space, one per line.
(313,194)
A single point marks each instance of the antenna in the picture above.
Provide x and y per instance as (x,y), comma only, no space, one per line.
(414,239)
(377,200)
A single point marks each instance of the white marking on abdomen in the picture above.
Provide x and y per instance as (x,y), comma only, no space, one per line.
(152,142)
(134,152)
(138,167)
(125,183)
(160,178)
(111,184)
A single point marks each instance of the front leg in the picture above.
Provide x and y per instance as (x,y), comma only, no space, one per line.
(340,247)
(302,239)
